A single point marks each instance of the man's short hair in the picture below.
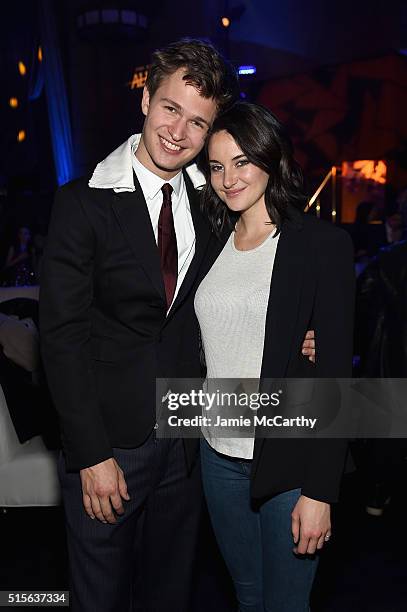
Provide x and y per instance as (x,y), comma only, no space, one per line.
(205,68)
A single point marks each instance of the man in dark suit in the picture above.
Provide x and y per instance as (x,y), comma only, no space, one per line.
(116,313)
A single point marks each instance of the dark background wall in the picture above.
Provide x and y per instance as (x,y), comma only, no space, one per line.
(280,38)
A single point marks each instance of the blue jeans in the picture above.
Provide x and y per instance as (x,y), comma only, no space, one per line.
(256,544)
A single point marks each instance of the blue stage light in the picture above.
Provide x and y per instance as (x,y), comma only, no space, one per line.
(247,70)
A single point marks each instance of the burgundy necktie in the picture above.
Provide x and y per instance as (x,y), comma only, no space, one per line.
(167,244)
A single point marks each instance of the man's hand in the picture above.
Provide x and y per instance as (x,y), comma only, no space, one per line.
(310,525)
(308,346)
(103,487)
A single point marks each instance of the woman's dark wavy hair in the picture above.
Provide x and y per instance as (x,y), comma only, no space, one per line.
(265,142)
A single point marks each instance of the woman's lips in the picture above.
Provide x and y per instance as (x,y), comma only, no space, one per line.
(233,193)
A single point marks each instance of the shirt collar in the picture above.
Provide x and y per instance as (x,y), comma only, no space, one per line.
(116,171)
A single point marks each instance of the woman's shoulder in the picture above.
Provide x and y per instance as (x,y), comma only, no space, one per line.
(322,230)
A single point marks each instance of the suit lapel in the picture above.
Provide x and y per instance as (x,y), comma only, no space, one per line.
(284,300)
(282,309)
(132,214)
(202,236)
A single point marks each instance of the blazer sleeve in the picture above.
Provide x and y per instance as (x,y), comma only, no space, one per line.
(333,324)
(66,296)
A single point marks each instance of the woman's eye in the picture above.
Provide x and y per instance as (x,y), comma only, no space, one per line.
(242,162)
(216,168)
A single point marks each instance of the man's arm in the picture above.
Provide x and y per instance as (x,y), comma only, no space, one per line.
(66,296)
(65,301)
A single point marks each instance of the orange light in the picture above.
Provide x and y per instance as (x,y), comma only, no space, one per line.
(365,169)
(13,102)
(225,22)
(40,53)
(139,79)
(21,68)
(21,136)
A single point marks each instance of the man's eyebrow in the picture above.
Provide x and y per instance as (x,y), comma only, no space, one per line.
(179,108)
(174,104)
(202,120)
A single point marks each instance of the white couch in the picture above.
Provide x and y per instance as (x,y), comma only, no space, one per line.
(28,474)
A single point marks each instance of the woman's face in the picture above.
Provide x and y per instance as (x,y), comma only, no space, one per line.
(237,182)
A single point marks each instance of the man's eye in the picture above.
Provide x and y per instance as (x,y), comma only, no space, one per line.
(198,124)
(170,108)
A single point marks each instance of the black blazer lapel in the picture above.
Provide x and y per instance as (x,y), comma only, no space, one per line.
(132,214)
(284,300)
(282,309)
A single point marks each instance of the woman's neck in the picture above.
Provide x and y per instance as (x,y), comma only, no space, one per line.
(254,222)
(252,228)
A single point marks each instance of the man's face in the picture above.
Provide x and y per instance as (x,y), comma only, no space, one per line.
(176,125)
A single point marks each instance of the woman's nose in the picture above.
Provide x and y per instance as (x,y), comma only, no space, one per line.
(229,179)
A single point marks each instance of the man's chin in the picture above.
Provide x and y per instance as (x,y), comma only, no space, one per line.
(169,165)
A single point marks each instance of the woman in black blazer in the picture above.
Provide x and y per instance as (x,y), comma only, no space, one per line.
(273,273)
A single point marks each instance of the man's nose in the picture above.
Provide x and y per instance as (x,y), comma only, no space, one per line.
(177,129)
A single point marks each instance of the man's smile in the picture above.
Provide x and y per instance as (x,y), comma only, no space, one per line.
(169,145)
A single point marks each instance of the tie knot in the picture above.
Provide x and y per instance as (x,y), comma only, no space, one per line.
(167,191)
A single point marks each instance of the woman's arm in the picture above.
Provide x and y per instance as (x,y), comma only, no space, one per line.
(333,321)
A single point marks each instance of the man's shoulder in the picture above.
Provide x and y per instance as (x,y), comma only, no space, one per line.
(79,188)
(75,187)
(76,197)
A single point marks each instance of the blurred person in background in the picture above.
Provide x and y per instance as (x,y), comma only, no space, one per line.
(20,261)
(381,344)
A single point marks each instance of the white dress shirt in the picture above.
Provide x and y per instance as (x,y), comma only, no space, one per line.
(151,185)
(116,172)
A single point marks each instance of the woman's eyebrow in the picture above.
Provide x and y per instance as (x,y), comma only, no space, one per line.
(233,158)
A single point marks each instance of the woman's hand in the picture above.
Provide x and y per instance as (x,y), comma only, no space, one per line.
(308,345)
(311,525)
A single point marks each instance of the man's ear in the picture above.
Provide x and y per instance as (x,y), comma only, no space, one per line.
(145,101)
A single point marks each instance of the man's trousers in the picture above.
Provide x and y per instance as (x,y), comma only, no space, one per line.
(146,561)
